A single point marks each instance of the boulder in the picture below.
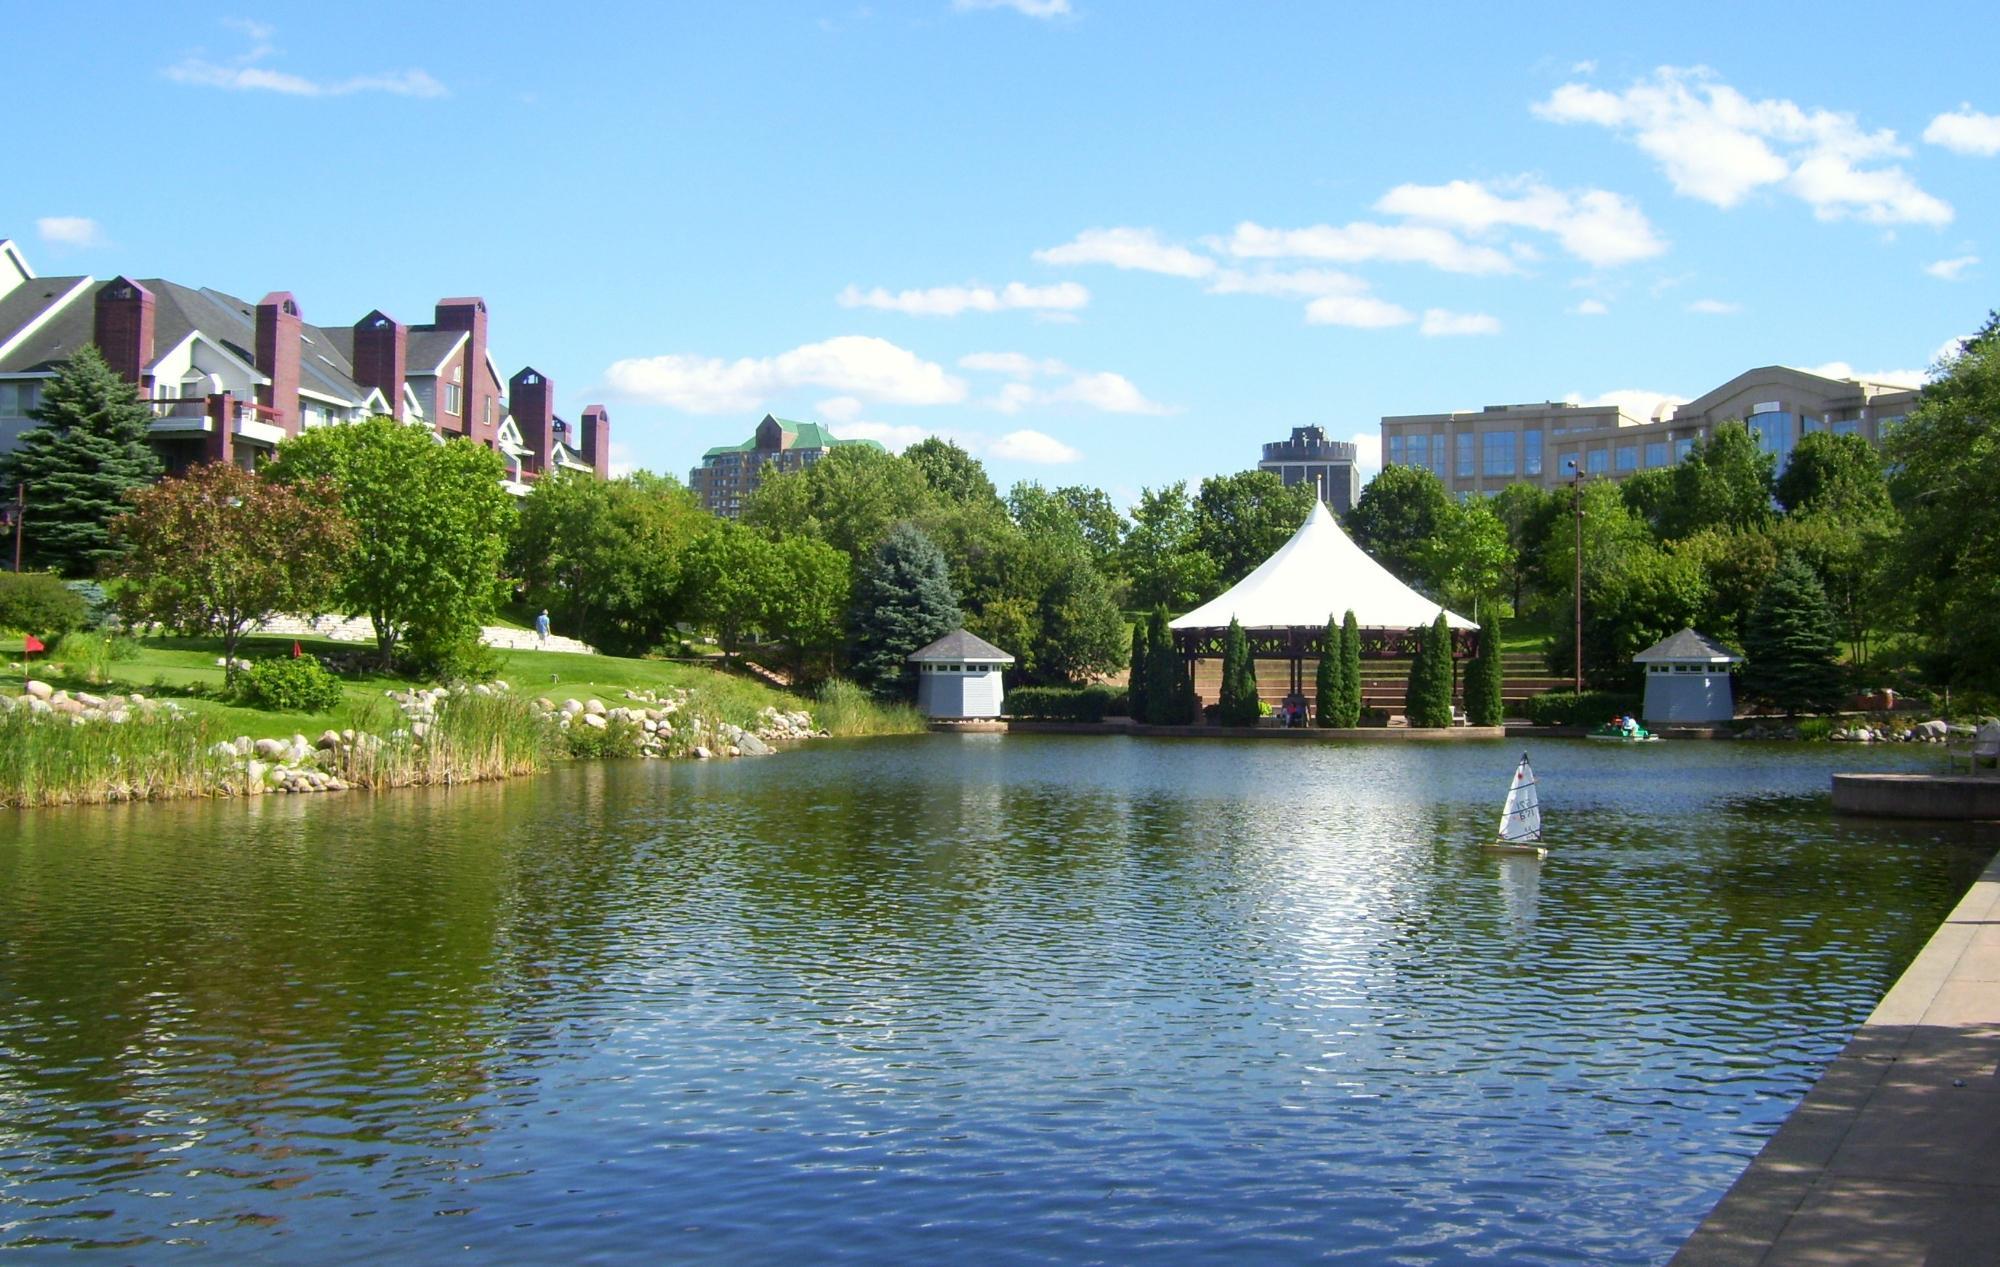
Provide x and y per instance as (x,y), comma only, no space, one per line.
(328,739)
(270,749)
(38,690)
(595,708)
(595,721)
(752,746)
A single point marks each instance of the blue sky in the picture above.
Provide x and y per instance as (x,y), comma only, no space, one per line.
(1109,242)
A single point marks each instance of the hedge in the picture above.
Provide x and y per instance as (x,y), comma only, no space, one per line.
(1567,708)
(1058,703)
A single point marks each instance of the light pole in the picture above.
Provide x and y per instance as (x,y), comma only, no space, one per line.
(1576,506)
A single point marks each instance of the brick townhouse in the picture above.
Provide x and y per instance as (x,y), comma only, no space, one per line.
(228,380)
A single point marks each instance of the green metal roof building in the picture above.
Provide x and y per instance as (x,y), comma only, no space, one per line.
(729,473)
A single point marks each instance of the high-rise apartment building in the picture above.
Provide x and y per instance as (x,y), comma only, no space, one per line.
(1310,458)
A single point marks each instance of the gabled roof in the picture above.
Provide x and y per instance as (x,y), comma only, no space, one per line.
(958,645)
(798,435)
(35,299)
(1687,647)
(1316,576)
(430,349)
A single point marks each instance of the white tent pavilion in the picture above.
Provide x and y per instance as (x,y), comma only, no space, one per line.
(1319,574)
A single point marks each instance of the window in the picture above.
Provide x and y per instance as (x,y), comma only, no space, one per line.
(1499,453)
(1597,461)
(1810,425)
(1419,450)
(1395,448)
(451,397)
(1531,453)
(1774,435)
(18,398)
(1847,427)
(1465,452)
(1438,454)
(1628,457)
(1682,448)
(489,411)
(1656,453)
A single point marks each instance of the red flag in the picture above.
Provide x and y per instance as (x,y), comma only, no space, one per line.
(297,650)
(31,644)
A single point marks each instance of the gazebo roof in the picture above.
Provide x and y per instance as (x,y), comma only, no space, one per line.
(1687,647)
(1319,574)
(960,645)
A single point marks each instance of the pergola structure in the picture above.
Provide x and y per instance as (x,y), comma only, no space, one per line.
(1284,605)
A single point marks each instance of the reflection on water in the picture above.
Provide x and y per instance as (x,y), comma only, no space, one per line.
(1014,999)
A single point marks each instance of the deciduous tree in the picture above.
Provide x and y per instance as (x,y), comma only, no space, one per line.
(218,550)
(1396,517)
(1240,520)
(606,557)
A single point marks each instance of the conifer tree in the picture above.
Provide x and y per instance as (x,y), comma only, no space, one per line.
(903,601)
(1326,679)
(88,451)
(1239,679)
(1182,709)
(1163,674)
(1483,706)
(1429,699)
(1350,670)
(1791,643)
(1141,668)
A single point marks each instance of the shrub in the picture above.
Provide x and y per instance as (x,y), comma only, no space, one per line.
(1120,705)
(91,653)
(459,657)
(39,603)
(98,605)
(1567,708)
(1483,704)
(289,686)
(1059,703)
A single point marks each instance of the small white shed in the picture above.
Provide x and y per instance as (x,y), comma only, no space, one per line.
(1687,680)
(959,676)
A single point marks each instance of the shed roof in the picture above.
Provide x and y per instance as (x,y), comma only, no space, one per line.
(960,645)
(1687,647)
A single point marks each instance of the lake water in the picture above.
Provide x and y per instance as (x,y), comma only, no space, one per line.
(955,998)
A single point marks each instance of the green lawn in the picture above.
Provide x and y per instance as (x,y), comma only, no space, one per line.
(169,667)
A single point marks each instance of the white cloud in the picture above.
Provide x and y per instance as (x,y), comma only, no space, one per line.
(70,231)
(1601,228)
(1945,354)
(1585,67)
(894,437)
(1361,241)
(1951,270)
(1018,364)
(1438,321)
(949,301)
(1033,446)
(1717,145)
(1362,312)
(1129,248)
(1966,132)
(243,73)
(1367,453)
(1027,8)
(1304,282)
(1590,308)
(1112,393)
(840,408)
(1635,402)
(1714,307)
(854,365)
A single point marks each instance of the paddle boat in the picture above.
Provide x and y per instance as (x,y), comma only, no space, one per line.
(1623,730)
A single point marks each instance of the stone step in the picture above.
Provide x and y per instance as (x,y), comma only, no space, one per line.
(361,629)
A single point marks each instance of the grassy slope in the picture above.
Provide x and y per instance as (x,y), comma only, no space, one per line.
(176,663)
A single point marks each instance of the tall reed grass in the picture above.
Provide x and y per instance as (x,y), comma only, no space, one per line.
(472,738)
(48,760)
(843,709)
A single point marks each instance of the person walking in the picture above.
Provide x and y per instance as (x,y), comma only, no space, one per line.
(542,628)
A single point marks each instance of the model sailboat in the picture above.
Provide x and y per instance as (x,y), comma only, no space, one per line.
(1521,817)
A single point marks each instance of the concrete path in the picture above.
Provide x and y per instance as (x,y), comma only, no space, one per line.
(361,629)
(1894,1157)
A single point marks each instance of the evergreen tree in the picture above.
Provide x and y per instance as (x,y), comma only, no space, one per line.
(903,601)
(1429,700)
(1239,679)
(88,451)
(1350,671)
(1326,680)
(1182,710)
(1162,671)
(1791,642)
(1141,667)
(1483,705)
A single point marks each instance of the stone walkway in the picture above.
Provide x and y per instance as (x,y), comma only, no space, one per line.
(1893,1158)
(361,629)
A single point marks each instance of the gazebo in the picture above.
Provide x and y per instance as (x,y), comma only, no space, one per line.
(1319,574)
(958,677)
(1687,679)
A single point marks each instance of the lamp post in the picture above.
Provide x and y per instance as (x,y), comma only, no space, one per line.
(1576,506)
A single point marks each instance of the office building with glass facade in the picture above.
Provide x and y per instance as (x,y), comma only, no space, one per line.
(1484,450)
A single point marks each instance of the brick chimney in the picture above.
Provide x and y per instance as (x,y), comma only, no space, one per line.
(382,357)
(469,314)
(531,399)
(596,439)
(124,328)
(278,358)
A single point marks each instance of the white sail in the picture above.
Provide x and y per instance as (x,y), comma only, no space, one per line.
(1521,817)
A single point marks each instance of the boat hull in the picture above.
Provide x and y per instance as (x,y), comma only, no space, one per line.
(1516,849)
